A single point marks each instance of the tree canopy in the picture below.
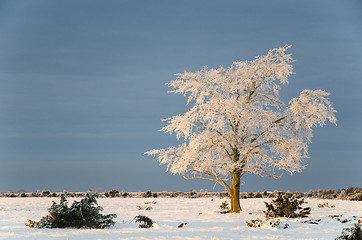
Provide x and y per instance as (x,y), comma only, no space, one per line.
(237,122)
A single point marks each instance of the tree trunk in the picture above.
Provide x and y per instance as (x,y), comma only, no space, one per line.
(235,193)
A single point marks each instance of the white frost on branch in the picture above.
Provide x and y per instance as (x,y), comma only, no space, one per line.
(238,123)
(312,108)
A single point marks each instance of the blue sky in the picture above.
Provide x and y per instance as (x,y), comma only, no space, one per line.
(82,86)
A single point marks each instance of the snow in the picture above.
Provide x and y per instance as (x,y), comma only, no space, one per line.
(201,214)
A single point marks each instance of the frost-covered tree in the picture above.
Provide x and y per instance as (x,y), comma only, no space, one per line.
(238,124)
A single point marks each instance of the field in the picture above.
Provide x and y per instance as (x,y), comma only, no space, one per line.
(202,215)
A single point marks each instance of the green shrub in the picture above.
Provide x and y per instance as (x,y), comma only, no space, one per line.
(81,214)
(45,193)
(145,222)
(224,206)
(353,233)
(286,205)
(356,197)
(256,223)
(258,195)
(147,194)
(10,194)
(112,193)
(23,194)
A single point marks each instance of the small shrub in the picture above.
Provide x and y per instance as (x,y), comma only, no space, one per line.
(192,194)
(325,205)
(260,223)
(144,208)
(35,194)
(45,193)
(224,206)
(312,221)
(81,214)
(286,205)
(53,195)
(258,195)
(112,193)
(255,223)
(147,194)
(124,194)
(68,194)
(23,194)
(250,195)
(352,233)
(10,194)
(356,197)
(182,224)
(30,223)
(145,222)
(224,194)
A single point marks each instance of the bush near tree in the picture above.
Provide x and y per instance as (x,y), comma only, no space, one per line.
(286,205)
(83,214)
(352,233)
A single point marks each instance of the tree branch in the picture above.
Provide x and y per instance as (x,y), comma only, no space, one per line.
(221,145)
(218,179)
(214,130)
(265,175)
(253,88)
(274,123)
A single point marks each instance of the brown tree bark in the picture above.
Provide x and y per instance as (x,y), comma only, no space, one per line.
(235,193)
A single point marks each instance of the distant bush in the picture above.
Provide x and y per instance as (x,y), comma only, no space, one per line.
(45,193)
(192,194)
(10,194)
(23,194)
(351,194)
(243,195)
(169,194)
(112,193)
(54,195)
(69,194)
(35,194)
(286,205)
(223,194)
(147,194)
(258,195)
(124,194)
(356,197)
(81,214)
(353,233)
(250,195)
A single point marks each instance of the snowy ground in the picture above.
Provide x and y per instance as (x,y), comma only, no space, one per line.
(202,215)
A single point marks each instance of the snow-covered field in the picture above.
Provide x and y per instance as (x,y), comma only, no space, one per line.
(201,214)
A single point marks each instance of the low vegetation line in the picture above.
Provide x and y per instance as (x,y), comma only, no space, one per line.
(352,194)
